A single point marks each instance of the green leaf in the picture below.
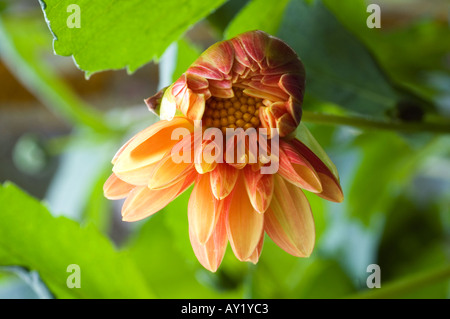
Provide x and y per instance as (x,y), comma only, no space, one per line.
(30,237)
(339,68)
(262,15)
(119,34)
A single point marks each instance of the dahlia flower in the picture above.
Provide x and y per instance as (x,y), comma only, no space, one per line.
(251,82)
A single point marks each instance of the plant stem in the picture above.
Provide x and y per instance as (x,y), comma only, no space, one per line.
(409,284)
(363,123)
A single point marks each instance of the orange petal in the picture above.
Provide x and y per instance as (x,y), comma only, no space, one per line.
(289,221)
(143,202)
(223,178)
(244,223)
(257,252)
(174,166)
(147,148)
(204,161)
(210,254)
(204,209)
(259,188)
(115,188)
(139,176)
(331,189)
(297,170)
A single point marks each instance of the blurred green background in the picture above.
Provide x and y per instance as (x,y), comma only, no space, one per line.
(377,100)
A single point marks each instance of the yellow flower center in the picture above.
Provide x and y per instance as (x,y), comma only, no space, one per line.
(239,111)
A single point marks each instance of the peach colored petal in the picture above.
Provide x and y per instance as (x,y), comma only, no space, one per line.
(204,209)
(257,252)
(210,254)
(297,170)
(205,161)
(223,178)
(147,148)
(124,146)
(115,188)
(244,223)
(331,189)
(259,188)
(169,169)
(139,176)
(143,202)
(289,221)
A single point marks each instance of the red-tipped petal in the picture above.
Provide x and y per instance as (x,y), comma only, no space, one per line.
(219,56)
(294,85)
(254,44)
(289,221)
(244,223)
(297,170)
(278,53)
(331,189)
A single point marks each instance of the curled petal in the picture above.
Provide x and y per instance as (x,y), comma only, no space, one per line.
(259,188)
(154,102)
(297,170)
(207,72)
(244,223)
(219,56)
(240,54)
(115,188)
(196,82)
(211,253)
(254,44)
(279,55)
(331,189)
(289,221)
(263,66)
(134,163)
(294,85)
(190,103)
(275,93)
